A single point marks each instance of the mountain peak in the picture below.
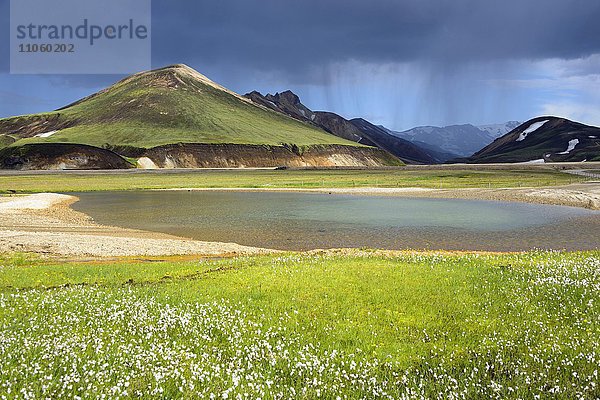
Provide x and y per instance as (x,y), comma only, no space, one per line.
(287,96)
(182,71)
(178,76)
(286,102)
(178,66)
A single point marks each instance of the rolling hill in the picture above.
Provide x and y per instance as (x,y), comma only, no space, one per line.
(543,139)
(173,117)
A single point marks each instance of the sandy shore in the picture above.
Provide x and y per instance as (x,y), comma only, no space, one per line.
(585,195)
(45,224)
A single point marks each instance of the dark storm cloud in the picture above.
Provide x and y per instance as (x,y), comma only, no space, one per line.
(296,37)
(413,62)
(293,36)
(4,35)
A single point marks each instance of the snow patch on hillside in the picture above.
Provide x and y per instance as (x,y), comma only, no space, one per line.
(571,146)
(532,128)
(46,134)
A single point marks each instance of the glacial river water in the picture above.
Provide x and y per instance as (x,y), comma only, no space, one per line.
(300,221)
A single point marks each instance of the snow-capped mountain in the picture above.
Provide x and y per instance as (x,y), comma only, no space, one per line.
(457,140)
(497,130)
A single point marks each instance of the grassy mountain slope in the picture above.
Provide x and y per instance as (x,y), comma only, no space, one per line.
(170,105)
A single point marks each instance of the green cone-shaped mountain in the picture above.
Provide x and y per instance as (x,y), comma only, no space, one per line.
(155,115)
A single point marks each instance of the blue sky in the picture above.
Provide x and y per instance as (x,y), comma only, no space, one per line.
(399,63)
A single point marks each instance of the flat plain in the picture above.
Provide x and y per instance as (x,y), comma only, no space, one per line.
(481,177)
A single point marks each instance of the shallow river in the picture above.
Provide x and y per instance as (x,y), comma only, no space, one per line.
(299,221)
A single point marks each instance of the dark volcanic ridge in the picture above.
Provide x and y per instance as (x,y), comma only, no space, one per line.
(543,139)
(357,130)
(60,156)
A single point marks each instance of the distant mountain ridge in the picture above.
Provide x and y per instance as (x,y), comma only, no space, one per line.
(497,130)
(405,150)
(456,140)
(357,130)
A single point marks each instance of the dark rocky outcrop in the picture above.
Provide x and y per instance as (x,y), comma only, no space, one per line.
(60,156)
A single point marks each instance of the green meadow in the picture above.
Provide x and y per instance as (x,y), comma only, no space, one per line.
(396,177)
(356,325)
